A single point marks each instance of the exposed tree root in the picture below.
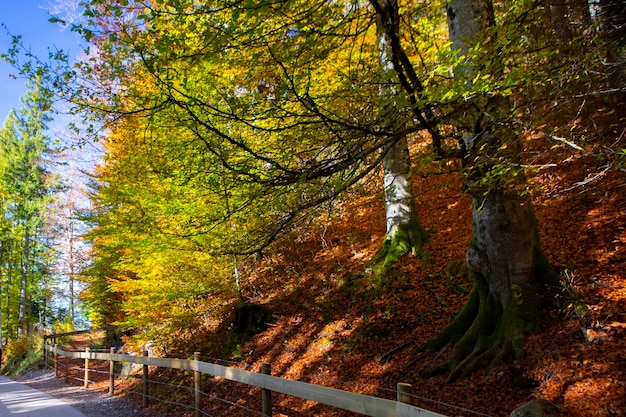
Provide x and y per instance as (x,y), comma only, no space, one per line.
(483,334)
(387,356)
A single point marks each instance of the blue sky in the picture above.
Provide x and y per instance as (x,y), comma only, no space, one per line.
(28,18)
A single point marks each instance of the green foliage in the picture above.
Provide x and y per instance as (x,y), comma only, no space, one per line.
(22,354)
(226,125)
(26,189)
(238,122)
(63,326)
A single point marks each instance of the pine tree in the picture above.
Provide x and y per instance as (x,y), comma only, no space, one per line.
(24,178)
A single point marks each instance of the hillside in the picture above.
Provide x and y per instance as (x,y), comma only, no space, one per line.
(250,160)
(331,324)
(329,328)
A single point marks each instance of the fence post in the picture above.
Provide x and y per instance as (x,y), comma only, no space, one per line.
(197,382)
(145,382)
(86,383)
(56,361)
(266,395)
(112,374)
(67,370)
(404,392)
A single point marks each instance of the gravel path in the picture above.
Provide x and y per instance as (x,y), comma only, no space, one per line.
(90,402)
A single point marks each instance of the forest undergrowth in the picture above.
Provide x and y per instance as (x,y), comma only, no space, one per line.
(332,325)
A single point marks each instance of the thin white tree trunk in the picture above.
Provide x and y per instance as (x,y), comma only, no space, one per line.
(399,203)
(24,283)
(403,226)
(72,276)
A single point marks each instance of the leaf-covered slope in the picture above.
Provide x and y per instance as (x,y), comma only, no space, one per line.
(330,328)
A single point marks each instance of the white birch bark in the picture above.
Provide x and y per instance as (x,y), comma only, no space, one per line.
(400,212)
(399,203)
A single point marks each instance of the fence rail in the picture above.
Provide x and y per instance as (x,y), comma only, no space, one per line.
(345,400)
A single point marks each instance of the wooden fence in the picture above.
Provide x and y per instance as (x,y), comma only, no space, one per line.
(358,403)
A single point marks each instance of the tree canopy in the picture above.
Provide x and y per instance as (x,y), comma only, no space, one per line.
(228,125)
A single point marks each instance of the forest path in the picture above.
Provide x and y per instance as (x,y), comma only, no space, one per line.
(20,400)
(91,402)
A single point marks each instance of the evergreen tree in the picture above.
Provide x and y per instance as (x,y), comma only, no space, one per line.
(26,191)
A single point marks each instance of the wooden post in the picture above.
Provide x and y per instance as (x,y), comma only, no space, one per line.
(404,393)
(197,382)
(86,383)
(266,395)
(112,374)
(67,370)
(145,382)
(56,361)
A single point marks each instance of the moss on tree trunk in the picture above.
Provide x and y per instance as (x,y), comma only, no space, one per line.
(505,258)
(510,273)
(407,238)
(405,233)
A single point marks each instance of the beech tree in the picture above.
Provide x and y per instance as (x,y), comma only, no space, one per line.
(295,83)
(228,123)
(250,118)
(505,258)
(271,108)
(404,230)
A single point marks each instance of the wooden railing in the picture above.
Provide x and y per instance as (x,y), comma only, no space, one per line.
(358,403)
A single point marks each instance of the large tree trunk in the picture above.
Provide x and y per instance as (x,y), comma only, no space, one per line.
(510,271)
(405,233)
(505,256)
